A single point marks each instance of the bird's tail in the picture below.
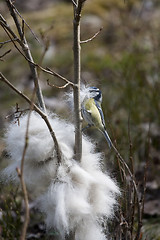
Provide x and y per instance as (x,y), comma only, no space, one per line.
(107,138)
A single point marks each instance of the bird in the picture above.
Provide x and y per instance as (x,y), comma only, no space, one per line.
(92,112)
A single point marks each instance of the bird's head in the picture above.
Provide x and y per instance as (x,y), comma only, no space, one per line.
(95,93)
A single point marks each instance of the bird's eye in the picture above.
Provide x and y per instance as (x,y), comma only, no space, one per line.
(94,90)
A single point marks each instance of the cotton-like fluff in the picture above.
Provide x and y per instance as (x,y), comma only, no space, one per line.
(40,160)
(89,229)
(64,207)
(84,91)
(74,197)
(84,199)
(72,186)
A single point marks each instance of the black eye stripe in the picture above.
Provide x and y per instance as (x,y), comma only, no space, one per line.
(94,91)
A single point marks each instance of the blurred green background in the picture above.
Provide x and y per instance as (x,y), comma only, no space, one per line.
(123,61)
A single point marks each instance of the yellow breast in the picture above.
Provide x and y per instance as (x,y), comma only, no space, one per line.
(95,115)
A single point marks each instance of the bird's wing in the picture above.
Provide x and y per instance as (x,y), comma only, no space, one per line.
(100,111)
(86,113)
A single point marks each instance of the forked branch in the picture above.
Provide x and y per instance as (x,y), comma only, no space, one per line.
(92,38)
(77,7)
(40,112)
(27,52)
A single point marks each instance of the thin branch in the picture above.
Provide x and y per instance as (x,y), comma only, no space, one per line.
(8,41)
(6,27)
(27,53)
(4,54)
(23,30)
(24,229)
(135,188)
(131,190)
(46,43)
(26,23)
(144,183)
(48,70)
(148,148)
(77,78)
(41,113)
(2,18)
(93,37)
(17,114)
(60,87)
(121,169)
(74,3)
(51,72)
(130,146)
(21,172)
(79,9)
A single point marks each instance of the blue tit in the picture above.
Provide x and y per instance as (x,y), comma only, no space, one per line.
(92,112)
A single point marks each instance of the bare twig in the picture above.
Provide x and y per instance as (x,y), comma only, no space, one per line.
(93,37)
(148,147)
(46,43)
(51,72)
(60,87)
(7,29)
(121,169)
(46,47)
(77,77)
(74,3)
(21,173)
(5,53)
(27,53)
(22,30)
(25,23)
(8,41)
(144,182)
(48,70)
(132,200)
(139,212)
(17,114)
(130,146)
(41,113)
